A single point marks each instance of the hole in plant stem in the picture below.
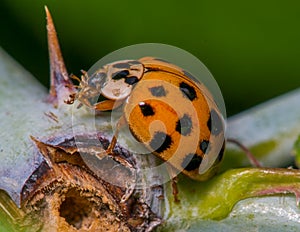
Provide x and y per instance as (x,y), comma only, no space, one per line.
(75,209)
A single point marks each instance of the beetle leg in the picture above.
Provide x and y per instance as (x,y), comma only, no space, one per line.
(174,180)
(120,123)
(175,189)
(72,76)
(110,149)
(107,105)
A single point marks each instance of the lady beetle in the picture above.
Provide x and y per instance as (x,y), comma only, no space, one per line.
(166,109)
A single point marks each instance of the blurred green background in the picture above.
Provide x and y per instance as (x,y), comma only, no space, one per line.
(251,47)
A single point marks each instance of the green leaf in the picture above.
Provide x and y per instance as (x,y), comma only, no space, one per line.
(219,203)
(9,213)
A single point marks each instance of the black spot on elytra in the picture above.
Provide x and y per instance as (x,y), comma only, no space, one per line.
(120,74)
(184,125)
(188,91)
(160,142)
(204,146)
(191,162)
(146,109)
(121,65)
(158,91)
(131,80)
(215,123)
